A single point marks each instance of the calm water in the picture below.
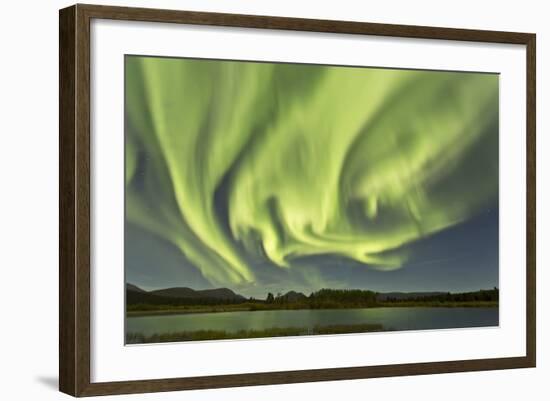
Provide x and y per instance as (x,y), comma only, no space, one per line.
(412,318)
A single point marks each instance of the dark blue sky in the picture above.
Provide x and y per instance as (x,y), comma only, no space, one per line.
(461,258)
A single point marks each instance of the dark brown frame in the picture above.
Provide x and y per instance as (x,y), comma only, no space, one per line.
(74,199)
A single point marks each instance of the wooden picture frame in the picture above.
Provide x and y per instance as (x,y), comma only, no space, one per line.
(74,200)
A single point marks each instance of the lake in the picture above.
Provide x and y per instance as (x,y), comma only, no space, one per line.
(393,318)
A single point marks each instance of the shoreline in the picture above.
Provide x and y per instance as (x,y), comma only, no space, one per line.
(207,335)
(236,308)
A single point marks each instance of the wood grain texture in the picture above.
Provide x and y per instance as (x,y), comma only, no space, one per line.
(67,295)
(531,228)
(300,24)
(74,199)
(74,206)
(300,376)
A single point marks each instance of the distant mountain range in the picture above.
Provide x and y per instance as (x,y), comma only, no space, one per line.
(183,295)
(185,292)
(225,294)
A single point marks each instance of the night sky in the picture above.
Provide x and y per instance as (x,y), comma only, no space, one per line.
(267,177)
(462,258)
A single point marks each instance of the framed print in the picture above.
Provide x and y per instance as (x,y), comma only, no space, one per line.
(297,200)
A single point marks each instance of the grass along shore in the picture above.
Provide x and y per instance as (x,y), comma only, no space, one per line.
(138,338)
(148,310)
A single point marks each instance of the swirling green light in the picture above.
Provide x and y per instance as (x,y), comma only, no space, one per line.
(229,160)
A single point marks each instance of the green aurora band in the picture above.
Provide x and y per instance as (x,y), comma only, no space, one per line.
(234,162)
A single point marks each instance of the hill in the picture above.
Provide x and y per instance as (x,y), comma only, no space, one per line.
(293,296)
(185,292)
(131,287)
(181,296)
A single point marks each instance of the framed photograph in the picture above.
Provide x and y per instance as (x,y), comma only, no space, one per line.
(250,200)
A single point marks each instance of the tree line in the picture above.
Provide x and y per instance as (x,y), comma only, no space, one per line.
(321,299)
(475,296)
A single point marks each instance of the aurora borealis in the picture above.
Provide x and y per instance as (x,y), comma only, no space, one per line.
(268,175)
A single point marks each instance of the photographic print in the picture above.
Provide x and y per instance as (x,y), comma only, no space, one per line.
(268,199)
